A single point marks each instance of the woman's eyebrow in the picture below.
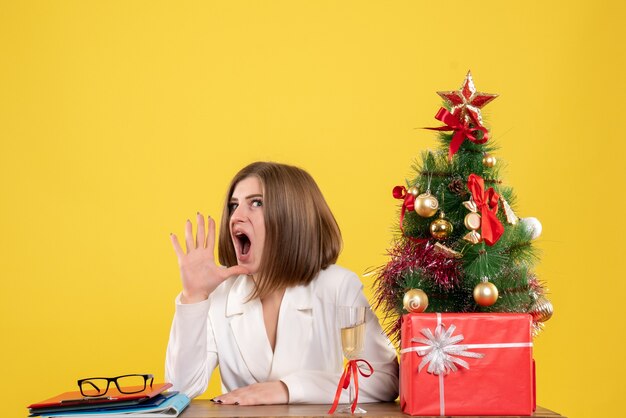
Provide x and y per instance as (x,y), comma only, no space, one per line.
(254,195)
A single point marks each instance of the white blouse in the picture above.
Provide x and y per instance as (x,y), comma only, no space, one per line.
(229,331)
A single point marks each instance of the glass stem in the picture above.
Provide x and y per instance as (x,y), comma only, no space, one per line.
(351,389)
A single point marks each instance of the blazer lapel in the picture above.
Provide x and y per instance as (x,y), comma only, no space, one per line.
(294,333)
(249,329)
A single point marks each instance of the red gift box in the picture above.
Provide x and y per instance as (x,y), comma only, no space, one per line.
(467,364)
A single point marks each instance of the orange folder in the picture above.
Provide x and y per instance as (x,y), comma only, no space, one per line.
(113,396)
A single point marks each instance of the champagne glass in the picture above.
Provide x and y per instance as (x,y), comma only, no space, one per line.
(351,321)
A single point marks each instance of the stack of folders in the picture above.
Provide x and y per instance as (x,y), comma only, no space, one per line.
(153,402)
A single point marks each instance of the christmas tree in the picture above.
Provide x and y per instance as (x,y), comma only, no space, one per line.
(459,246)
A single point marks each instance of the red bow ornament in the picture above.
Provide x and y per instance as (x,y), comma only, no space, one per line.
(400,192)
(462,130)
(487,204)
(352,369)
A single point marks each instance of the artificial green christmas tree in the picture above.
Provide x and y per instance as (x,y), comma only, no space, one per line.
(460,247)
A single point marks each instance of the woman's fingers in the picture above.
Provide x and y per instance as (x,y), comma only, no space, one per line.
(203,239)
(177,249)
(230,398)
(201,232)
(210,237)
(189,236)
(266,393)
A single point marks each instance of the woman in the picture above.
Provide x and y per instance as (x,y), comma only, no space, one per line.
(268,318)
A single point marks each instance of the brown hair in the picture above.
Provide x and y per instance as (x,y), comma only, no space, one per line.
(301,234)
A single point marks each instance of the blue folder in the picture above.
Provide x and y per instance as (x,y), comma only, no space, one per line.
(171,407)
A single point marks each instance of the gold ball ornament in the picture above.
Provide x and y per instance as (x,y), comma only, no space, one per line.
(485,293)
(426,205)
(414,191)
(440,228)
(541,310)
(415,300)
(489,161)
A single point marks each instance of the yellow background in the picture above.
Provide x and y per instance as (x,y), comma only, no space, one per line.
(121,119)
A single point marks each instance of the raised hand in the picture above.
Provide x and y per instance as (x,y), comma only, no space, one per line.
(199,272)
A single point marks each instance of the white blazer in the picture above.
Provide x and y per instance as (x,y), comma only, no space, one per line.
(228,331)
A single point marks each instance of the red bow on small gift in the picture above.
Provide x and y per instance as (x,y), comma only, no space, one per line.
(487,203)
(461,131)
(352,368)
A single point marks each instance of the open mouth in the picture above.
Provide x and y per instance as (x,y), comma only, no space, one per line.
(244,243)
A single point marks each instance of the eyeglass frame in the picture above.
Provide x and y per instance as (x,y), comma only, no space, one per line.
(146,377)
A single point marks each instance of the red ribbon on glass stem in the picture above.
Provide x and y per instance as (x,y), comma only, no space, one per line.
(487,203)
(352,368)
(461,131)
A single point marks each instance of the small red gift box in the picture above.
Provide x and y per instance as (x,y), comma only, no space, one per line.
(467,364)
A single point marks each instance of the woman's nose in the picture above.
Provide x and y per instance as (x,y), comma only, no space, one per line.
(239,214)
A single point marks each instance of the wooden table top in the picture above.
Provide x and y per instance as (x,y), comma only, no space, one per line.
(208,409)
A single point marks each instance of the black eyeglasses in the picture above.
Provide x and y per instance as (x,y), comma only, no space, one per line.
(127,383)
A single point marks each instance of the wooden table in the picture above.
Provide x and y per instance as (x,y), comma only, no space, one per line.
(207,409)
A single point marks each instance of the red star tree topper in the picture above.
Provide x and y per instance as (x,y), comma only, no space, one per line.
(467,102)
